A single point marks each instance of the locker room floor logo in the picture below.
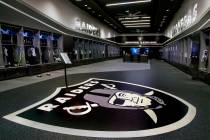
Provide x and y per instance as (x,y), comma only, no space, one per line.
(107,108)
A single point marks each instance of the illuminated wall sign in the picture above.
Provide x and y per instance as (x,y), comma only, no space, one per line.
(184,22)
(107,108)
(87,28)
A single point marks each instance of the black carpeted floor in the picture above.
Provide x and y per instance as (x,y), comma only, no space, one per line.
(161,76)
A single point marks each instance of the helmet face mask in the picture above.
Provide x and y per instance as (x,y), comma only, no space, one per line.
(129,100)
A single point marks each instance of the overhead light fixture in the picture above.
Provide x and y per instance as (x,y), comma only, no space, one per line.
(134,21)
(128,18)
(130,24)
(146,17)
(135,17)
(89,8)
(167,10)
(126,3)
(138,26)
(99,15)
(85,5)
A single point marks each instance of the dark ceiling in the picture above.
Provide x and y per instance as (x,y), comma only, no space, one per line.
(156,14)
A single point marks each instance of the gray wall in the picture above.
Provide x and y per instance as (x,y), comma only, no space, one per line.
(65,13)
(9,15)
(202,9)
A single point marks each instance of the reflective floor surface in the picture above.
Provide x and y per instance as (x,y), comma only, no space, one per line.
(160,76)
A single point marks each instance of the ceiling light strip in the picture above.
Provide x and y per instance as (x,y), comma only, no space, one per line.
(133,18)
(134,21)
(145,17)
(136,24)
(139,26)
(126,3)
(127,18)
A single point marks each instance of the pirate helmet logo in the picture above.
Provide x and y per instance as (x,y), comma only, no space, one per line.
(132,110)
(118,99)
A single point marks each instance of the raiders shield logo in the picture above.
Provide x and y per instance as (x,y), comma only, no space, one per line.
(107,108)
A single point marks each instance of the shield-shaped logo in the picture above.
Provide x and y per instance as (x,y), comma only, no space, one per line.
(107,108)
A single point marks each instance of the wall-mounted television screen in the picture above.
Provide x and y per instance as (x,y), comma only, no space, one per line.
(135,51)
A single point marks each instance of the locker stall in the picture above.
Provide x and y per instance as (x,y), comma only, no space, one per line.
(9,45)
(23,46)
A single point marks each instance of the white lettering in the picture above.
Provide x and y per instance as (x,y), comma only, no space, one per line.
(77,91)
(195,12)
(47,107)
(184,22)
(83,87)
(62,99)
(88,28)
(69,94)
(89,85)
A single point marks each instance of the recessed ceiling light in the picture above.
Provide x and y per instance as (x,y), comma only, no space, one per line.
(85,5)
(89,8)
(99,15)
(93,11)
(127,11)
(126,3)
(167,10)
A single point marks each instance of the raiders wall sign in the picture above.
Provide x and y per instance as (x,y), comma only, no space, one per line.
(107,108)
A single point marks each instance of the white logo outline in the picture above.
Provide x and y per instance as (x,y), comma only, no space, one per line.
(190,115)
